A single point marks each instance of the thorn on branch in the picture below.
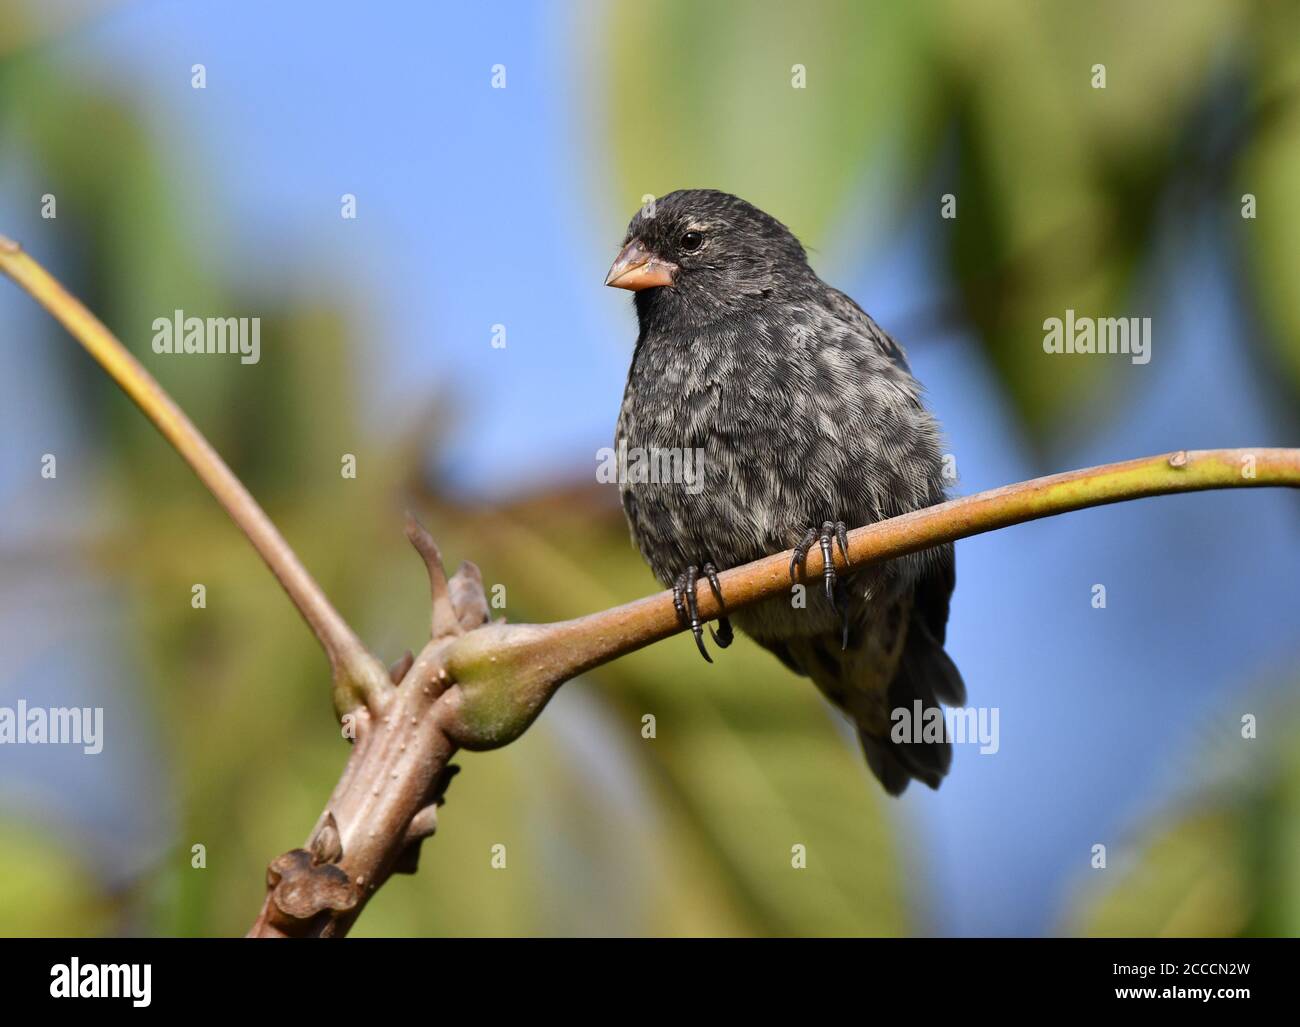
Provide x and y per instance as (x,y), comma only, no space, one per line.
(424,824)
(443,782)
(444,620)
(397,670)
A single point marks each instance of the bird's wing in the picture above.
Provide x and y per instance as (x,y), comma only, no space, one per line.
(848,311)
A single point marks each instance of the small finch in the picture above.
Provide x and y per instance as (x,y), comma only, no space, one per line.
(807,421)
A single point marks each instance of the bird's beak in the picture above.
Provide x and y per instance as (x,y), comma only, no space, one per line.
(637,268)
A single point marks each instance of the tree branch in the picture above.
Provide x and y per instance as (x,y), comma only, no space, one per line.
(507,672)
(356,672)
(478,685)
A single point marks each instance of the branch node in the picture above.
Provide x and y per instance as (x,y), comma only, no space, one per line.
(361,682)
(468,597)
(326,846)
(306,895)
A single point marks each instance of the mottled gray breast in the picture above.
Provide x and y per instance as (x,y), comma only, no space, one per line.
(799,414)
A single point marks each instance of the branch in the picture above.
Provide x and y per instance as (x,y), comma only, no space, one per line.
(386,802)
(508,672)
(478,685)
(356,672)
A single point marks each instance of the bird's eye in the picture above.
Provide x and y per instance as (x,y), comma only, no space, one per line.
(691,241)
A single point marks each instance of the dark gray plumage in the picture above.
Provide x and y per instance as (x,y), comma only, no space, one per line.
(806,413)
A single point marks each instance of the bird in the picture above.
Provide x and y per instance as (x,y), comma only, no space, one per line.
(807,420)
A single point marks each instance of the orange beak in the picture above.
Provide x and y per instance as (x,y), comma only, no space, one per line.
(637,268)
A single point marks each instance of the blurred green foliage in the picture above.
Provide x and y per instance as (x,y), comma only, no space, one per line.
(44,890)
(1221,863)
(693,833)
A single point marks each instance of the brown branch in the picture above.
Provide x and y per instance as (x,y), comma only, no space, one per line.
(489,681)
(508,672)
(478,685)
(633,625)
(386,801)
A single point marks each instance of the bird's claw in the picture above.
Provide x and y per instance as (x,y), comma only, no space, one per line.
(801,553)
(723,636)
(688,610)
(832,533)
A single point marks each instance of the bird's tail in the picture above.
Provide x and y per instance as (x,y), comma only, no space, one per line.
(925,679)
(879,673)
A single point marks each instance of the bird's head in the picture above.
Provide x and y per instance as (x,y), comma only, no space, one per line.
(698,255)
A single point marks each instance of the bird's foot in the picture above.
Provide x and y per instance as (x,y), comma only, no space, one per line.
(688,611)
(831,533)
(723,636)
